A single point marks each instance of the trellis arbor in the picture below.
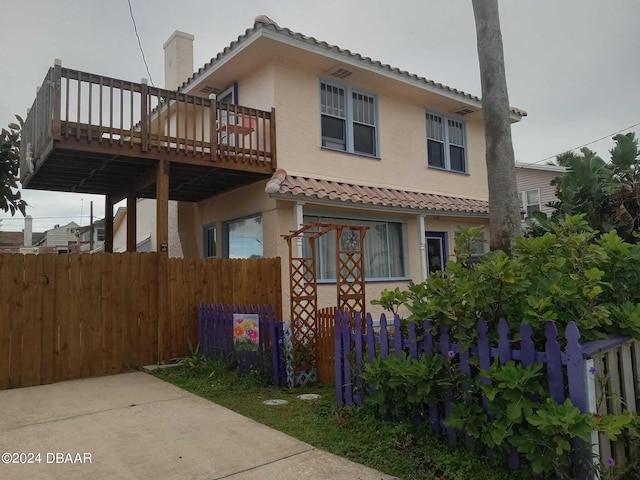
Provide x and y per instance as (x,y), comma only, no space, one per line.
(303,284)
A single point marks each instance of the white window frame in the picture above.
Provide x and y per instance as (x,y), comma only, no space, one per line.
(447,141)
(524,200)
(349,118)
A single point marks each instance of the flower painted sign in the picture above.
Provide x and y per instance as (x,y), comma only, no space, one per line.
(246,332)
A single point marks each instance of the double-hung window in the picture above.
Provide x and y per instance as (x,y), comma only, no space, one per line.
(446,143)
(384,249)
(531,201)
(348,119)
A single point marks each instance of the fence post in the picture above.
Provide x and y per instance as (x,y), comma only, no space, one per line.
(337,355)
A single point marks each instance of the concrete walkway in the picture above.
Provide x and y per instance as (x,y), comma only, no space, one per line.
(134,426)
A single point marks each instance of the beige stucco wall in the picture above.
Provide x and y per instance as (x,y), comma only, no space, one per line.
(402,134)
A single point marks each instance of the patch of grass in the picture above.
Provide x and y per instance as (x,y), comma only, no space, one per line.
(408,452)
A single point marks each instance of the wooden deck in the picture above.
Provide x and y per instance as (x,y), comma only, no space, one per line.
(88,133)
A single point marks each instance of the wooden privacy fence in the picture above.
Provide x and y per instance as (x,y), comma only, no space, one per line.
(72,316)
(216,339)
(570,372)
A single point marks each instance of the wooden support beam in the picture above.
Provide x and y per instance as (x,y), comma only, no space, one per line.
(162,207)
(162,247)
(132,215)
(108,223)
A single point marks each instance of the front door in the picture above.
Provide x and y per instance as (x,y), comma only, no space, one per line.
(436,251)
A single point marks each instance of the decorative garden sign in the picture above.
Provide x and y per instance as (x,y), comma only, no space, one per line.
(246,332)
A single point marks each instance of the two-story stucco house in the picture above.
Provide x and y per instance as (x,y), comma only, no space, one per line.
(358,142)
(277,130)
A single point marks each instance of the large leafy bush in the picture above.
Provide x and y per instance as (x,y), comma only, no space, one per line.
(573,273)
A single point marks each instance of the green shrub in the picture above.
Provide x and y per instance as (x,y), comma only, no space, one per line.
(572,274)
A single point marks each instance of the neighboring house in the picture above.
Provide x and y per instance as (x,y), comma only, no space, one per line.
(13,242)
(59,239)
(84,241)
(300,131)
(534,187)
(146,240)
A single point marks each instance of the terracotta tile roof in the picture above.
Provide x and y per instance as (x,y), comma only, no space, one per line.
(368,195)
(264,23)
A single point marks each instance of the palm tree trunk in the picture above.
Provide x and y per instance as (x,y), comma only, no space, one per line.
(504,206)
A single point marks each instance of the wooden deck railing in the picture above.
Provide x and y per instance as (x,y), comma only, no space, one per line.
(110,113)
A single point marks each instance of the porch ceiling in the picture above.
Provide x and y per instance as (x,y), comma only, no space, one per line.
(68,170)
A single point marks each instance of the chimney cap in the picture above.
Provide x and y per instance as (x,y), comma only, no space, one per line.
(178,34)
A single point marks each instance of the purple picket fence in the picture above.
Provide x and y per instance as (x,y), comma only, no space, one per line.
(568,371)
(215,336)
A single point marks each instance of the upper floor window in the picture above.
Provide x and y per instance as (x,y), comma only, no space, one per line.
(530,201)
(349,119)
(446,143)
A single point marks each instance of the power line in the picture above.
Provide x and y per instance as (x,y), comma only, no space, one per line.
(135,29)
(587,144)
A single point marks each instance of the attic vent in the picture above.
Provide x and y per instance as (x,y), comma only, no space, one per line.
(339,71)
(464,111)
(207,89)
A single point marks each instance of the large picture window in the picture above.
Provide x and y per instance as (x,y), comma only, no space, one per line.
(348,119)
(244,238)
(384,249)
(446,143)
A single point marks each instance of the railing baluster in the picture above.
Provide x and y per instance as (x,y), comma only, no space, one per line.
(131,121)
(101,86)
(111,111)
(90,128)
(79,76)
(213,134)
(121,113)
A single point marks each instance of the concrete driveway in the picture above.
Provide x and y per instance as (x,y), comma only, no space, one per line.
(134,426)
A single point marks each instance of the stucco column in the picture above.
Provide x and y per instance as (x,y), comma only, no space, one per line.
(424,272)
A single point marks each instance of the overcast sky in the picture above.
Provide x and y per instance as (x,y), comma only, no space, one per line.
(573,65)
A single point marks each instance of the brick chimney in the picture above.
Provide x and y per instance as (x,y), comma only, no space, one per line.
(178,59)
(28,231)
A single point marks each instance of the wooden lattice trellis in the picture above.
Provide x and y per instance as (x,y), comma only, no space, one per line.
(303,283)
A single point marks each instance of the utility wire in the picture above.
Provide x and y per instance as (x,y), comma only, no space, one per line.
(135,29)
(587,144)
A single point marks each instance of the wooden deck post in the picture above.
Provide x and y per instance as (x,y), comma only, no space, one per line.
(56,106)
(132,215)
(108,223)
(162,247)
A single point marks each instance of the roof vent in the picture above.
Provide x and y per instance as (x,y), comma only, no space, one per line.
(339,71)
(463,111)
